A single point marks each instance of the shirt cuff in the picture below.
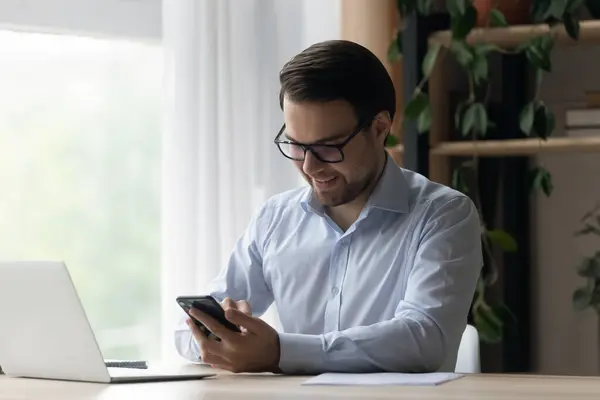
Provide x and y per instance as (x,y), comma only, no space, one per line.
(300,353)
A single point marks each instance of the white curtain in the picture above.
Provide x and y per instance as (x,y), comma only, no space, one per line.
(221,114)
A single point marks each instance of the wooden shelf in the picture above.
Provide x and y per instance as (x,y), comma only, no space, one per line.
(512,36)
(518,147)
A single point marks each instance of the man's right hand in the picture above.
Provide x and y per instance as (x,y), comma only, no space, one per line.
(241,305)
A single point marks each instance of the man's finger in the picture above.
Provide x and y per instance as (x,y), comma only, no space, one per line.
(209,346)
(244,307)
(228,303)
(195,330)
(239,318)
(213,325)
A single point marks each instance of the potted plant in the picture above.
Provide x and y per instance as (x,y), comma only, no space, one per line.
(588,296)
(471,115)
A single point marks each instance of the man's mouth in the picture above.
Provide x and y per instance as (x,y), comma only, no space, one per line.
(324,180)
(325,183)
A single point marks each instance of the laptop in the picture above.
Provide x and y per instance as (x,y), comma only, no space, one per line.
(45,333)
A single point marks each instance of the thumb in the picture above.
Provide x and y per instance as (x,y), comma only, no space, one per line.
(239,318)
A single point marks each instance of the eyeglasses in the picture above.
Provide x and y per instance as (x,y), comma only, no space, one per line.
(327,153)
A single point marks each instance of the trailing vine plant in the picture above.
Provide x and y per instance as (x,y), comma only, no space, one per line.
(471,116)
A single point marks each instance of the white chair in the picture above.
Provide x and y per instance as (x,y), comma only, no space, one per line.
(467,360)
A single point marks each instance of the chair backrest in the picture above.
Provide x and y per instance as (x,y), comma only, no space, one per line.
(467,361)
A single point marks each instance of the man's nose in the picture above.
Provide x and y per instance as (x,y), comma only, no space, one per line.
(311,163)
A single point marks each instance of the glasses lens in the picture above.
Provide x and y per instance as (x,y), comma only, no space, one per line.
(293,151)
(327,153)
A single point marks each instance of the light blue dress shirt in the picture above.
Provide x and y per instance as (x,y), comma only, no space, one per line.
(391,293)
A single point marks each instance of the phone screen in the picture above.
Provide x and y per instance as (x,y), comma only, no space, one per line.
(210,306)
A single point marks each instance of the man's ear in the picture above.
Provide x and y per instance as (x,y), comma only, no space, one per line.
(382,125)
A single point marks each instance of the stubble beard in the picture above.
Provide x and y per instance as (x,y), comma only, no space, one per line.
(346,193)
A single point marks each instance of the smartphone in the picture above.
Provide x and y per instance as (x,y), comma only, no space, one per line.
(210,306)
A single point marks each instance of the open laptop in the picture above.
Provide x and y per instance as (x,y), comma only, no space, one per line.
(44,331)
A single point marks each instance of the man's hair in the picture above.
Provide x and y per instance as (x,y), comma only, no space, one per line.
(339,70)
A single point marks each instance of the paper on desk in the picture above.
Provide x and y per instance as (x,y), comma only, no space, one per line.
(383,378)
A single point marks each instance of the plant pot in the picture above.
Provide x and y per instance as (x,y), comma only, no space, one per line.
(516,12)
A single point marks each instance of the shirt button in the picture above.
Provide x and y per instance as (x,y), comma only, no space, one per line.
(335,291)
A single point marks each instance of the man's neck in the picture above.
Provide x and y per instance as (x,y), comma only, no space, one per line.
(347,214)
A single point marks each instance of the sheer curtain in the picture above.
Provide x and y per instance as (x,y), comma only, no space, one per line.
(222,60)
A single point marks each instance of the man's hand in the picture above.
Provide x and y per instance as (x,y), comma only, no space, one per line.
(255,349)
(241,305)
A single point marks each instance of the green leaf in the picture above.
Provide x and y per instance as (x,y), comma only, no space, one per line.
(587,229)
(573,6)
(430,59)
(539,58)
(582,298)
(539,76)
(475,120)
(391,141)
(541,10)
(544,42)
(424,119)
(468,120)
(503,240)
(526,118)
(480,69)
(459,114)
(424,6)
(462,25)
(542,180)
(557,9)
(544,121)
(497,18)
(538,50)
(461,52)
(394,51)
(406,7)
(416,106)
(481,119)
(456,7)
(488,324)
(589,268)
(459,181)
(571,26)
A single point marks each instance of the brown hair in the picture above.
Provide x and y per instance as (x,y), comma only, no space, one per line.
(339,70)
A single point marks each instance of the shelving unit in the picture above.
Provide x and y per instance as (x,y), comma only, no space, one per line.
(442,149)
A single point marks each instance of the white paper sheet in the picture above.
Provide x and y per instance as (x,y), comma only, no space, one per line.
(384,378)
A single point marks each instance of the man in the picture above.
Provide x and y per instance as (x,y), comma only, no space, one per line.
(371,267)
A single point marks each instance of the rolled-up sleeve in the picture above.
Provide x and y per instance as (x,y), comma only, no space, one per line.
(241,279)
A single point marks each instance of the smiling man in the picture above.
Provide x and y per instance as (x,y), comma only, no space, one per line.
(371,267)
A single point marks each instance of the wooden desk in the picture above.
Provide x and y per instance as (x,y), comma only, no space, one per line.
(269,387)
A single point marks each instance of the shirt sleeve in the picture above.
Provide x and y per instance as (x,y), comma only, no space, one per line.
(241,279)
(428,323)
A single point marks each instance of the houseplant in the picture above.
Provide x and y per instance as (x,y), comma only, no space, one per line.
(588,296)
(471,115)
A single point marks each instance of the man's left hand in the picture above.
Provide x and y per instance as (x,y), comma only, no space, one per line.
(255,349)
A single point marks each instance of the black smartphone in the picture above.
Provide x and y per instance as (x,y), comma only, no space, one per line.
(210,306)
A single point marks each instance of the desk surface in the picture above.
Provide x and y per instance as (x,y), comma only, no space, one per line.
(270,387)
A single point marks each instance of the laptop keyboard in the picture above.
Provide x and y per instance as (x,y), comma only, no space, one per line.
(126,364)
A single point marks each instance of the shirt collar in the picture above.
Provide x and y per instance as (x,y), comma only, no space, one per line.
(390,194)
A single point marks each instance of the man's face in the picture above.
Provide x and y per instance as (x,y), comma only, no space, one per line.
(332,123)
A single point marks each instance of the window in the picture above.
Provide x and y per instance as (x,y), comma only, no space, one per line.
(80,132)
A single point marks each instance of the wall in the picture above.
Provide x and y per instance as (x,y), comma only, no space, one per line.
(373,23)
(565,341)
